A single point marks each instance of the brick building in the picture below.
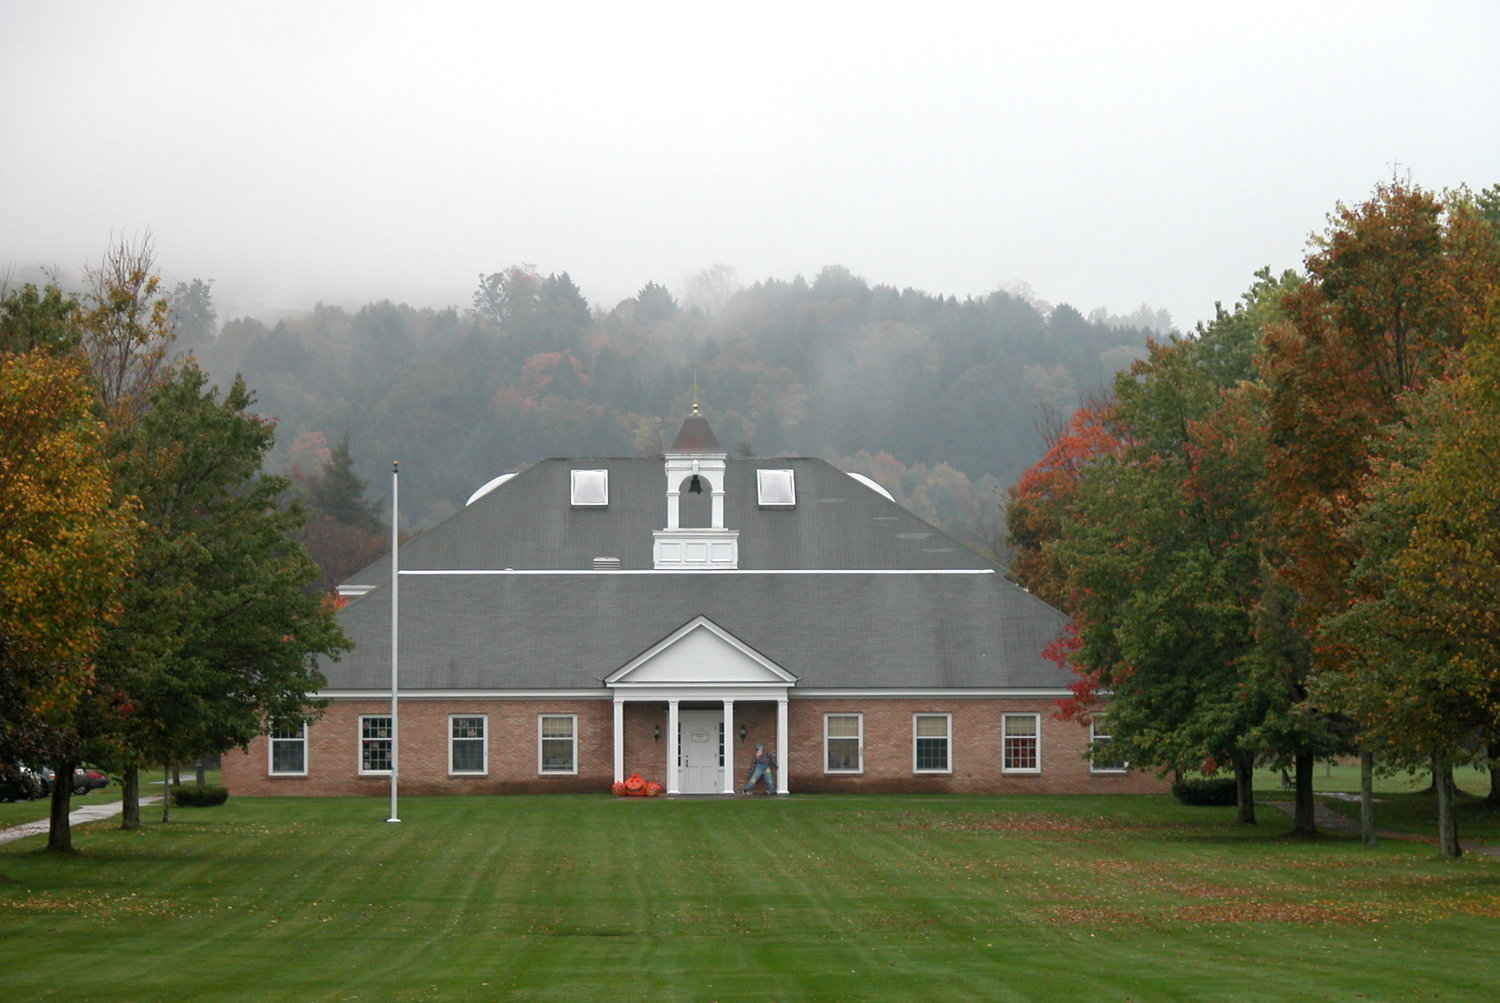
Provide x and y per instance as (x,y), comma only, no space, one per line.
(586,619)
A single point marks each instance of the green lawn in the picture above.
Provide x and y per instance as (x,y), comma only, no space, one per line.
(1344,778)
(808,897)
(1403,802)
(17,812)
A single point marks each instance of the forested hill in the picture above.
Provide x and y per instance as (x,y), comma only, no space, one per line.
(940,399)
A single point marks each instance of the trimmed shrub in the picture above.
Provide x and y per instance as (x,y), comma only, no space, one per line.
(1214,792)
(199,796)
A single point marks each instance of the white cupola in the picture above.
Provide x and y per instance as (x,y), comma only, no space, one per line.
(695,537)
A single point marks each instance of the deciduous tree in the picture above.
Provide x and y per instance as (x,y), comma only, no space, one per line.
(222,623)
(1417,651)
(126,327)
(65,547)
(1394,290)
(1040,500)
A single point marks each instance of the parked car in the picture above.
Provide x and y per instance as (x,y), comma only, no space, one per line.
(18,782)
(83,780)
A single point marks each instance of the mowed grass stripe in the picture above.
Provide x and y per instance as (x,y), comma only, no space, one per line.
(862,897)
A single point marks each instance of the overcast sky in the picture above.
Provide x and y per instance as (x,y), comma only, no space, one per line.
(1106,154)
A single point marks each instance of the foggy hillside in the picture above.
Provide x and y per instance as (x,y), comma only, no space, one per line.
(941,400)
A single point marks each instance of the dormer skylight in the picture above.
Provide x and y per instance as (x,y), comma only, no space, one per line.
(590,488)
(776,488)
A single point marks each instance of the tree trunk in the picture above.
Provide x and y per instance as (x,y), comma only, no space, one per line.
(1447,810)
(60,830)
(1244,788)
(1492,799)
(130,797)
(202,776)
(166,792)
(1303,822)
(1366,797)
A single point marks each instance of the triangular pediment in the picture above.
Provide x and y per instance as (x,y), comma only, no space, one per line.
(700,653)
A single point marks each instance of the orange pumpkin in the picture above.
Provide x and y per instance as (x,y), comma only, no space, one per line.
(653,789)
(617,788)
(635,784)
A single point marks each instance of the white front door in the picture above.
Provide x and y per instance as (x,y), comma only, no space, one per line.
(702,749)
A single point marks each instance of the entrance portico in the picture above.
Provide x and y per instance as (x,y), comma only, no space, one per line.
(701,672)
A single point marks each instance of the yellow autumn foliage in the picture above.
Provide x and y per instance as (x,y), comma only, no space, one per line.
(65,545)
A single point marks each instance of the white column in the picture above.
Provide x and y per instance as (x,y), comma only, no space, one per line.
(716,510)
(673,516)
(781,749)
(619,739)
(673,753)
(728,747)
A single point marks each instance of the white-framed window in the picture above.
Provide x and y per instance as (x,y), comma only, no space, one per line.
(1020,743)
(375,744)
(590,488)
(466,743)
(557,743)
(1100,761)
(288,750)
(843,743)
(776,488)
(931,741)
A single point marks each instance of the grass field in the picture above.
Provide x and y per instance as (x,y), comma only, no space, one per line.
(808,897)
(16,812)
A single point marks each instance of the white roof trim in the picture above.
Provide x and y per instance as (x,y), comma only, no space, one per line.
(929,694)
(385,695)
(694,571)
(792,694)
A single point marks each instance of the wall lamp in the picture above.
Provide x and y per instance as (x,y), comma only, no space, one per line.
(742,733)
(656,733)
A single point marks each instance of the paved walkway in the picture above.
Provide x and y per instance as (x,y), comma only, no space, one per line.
(1325,817)
(88,813)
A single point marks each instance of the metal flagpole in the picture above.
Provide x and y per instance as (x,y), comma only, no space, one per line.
(395,632)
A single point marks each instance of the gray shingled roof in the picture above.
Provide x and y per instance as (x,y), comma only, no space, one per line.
(925,631)
(845,590)
(529,523)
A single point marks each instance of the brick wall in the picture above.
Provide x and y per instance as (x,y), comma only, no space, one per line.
(512,767)
(333,744)
(974,750)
